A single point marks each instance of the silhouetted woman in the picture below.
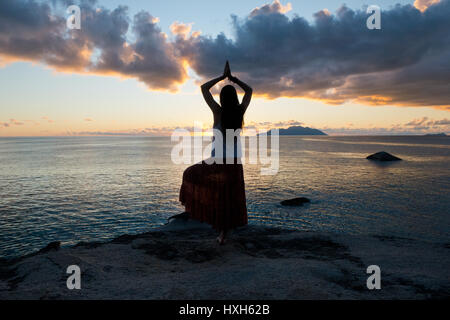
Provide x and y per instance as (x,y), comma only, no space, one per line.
(215,193)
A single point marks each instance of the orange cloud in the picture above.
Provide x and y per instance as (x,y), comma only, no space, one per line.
(423,5)
(181,29)
(101,47)
(293,58)
(274,7)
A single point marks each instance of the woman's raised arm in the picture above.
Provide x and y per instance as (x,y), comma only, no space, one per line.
(247,89)
(215,107)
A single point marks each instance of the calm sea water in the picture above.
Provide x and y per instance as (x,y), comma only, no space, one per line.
(95,188)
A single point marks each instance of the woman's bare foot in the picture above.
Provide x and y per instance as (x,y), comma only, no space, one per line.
(221,238)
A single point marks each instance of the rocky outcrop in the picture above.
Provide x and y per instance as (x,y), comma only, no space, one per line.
(256,263)
(383,156)
(295,202)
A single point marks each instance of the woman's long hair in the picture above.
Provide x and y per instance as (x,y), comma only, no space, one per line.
(232,115)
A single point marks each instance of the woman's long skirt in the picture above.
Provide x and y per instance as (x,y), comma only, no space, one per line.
(215,194)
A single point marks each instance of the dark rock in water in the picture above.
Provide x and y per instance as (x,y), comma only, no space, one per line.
(183,216)
(51,246)
(295,202)
(383,156)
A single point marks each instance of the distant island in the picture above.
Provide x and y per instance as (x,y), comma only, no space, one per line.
(299,131)
(436,134)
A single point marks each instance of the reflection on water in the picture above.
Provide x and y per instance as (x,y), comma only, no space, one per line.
(93,188)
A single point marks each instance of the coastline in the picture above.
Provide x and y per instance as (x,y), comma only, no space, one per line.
(182,261)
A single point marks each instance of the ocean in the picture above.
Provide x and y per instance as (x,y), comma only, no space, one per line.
(73,189)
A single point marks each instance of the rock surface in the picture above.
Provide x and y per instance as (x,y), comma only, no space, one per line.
(383,156)
(295,202)
(256,263)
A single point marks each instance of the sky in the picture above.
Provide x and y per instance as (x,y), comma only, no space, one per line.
(136,69)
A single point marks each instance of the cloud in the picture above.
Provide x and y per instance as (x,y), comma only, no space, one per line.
(338,131)
(417,122)
(414,127)
(419,126)
(443,122)
(425,123)
(168,130)
(33,31)
(393,130)
(264,125)
(336,59)
(102,133)
(181,29)
(29,31)
(150,58)
(274,7)
(423,5)
(154,131)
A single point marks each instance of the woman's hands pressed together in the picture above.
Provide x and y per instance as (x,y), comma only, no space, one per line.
(215,107)
(227,71)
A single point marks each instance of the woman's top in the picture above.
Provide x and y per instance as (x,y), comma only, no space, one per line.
(228,150)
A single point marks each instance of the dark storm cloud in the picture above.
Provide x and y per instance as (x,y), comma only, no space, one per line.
(28,30)
(31,30)
(336,58)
